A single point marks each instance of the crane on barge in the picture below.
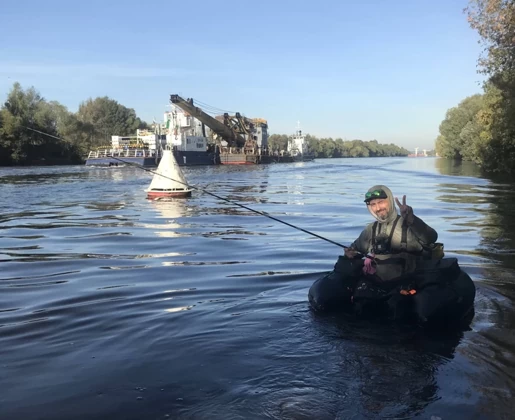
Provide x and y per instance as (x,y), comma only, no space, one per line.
(240,133)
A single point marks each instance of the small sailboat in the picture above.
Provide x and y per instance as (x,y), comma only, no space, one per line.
(168,180)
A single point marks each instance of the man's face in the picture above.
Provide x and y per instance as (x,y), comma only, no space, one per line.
(380,207)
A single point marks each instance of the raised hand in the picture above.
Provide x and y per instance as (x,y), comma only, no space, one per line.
(406,211)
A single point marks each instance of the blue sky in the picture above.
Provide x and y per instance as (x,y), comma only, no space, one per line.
(368,69)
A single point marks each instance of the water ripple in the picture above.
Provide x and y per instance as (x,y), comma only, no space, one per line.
(198,308)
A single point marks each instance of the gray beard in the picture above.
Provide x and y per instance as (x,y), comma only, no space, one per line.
(382,217)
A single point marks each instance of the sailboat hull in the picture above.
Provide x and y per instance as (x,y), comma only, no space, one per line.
(168,194)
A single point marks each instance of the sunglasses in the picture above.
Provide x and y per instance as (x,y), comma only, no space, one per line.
(370,195)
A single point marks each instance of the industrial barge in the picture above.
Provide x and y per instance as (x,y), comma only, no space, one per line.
(198,138)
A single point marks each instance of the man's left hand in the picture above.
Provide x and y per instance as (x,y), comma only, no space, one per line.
(406,211)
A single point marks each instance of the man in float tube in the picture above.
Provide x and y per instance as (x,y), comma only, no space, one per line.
(400,250)
(394,242)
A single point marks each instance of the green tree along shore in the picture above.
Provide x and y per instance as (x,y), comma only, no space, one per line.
(329,148)
(69,135)
(482,127)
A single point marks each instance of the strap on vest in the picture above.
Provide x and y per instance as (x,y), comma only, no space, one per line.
(404,237)
(392,231)
(374,228)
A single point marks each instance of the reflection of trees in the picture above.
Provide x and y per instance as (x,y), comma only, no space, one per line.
(470,210)
(457,168)
(494,200)
(70,174)
(461,193)
(494,340)
(498,230)
(45,175)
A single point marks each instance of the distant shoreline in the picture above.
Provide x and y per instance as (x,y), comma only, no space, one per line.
(68,162)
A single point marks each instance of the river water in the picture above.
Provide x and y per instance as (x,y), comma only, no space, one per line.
(116,307)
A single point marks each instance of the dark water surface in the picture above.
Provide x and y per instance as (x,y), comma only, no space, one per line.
(116,307)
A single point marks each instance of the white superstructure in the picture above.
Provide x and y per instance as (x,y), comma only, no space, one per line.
(184,132)
(297,145)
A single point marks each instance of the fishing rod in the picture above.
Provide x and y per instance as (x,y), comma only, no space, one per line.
(212,194)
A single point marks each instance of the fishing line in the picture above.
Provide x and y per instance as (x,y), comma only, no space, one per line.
(212,194)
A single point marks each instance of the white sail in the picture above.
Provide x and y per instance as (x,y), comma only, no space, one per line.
(172,180)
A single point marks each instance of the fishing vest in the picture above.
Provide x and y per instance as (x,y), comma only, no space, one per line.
(391,258)
(382,242)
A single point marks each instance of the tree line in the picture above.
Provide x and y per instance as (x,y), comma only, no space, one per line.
(337,148)
(481,128)
(33,130)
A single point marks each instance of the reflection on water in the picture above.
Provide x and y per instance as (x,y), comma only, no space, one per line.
(492,202)
(120,307)
(457,168)
(494,225)
(170,213)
